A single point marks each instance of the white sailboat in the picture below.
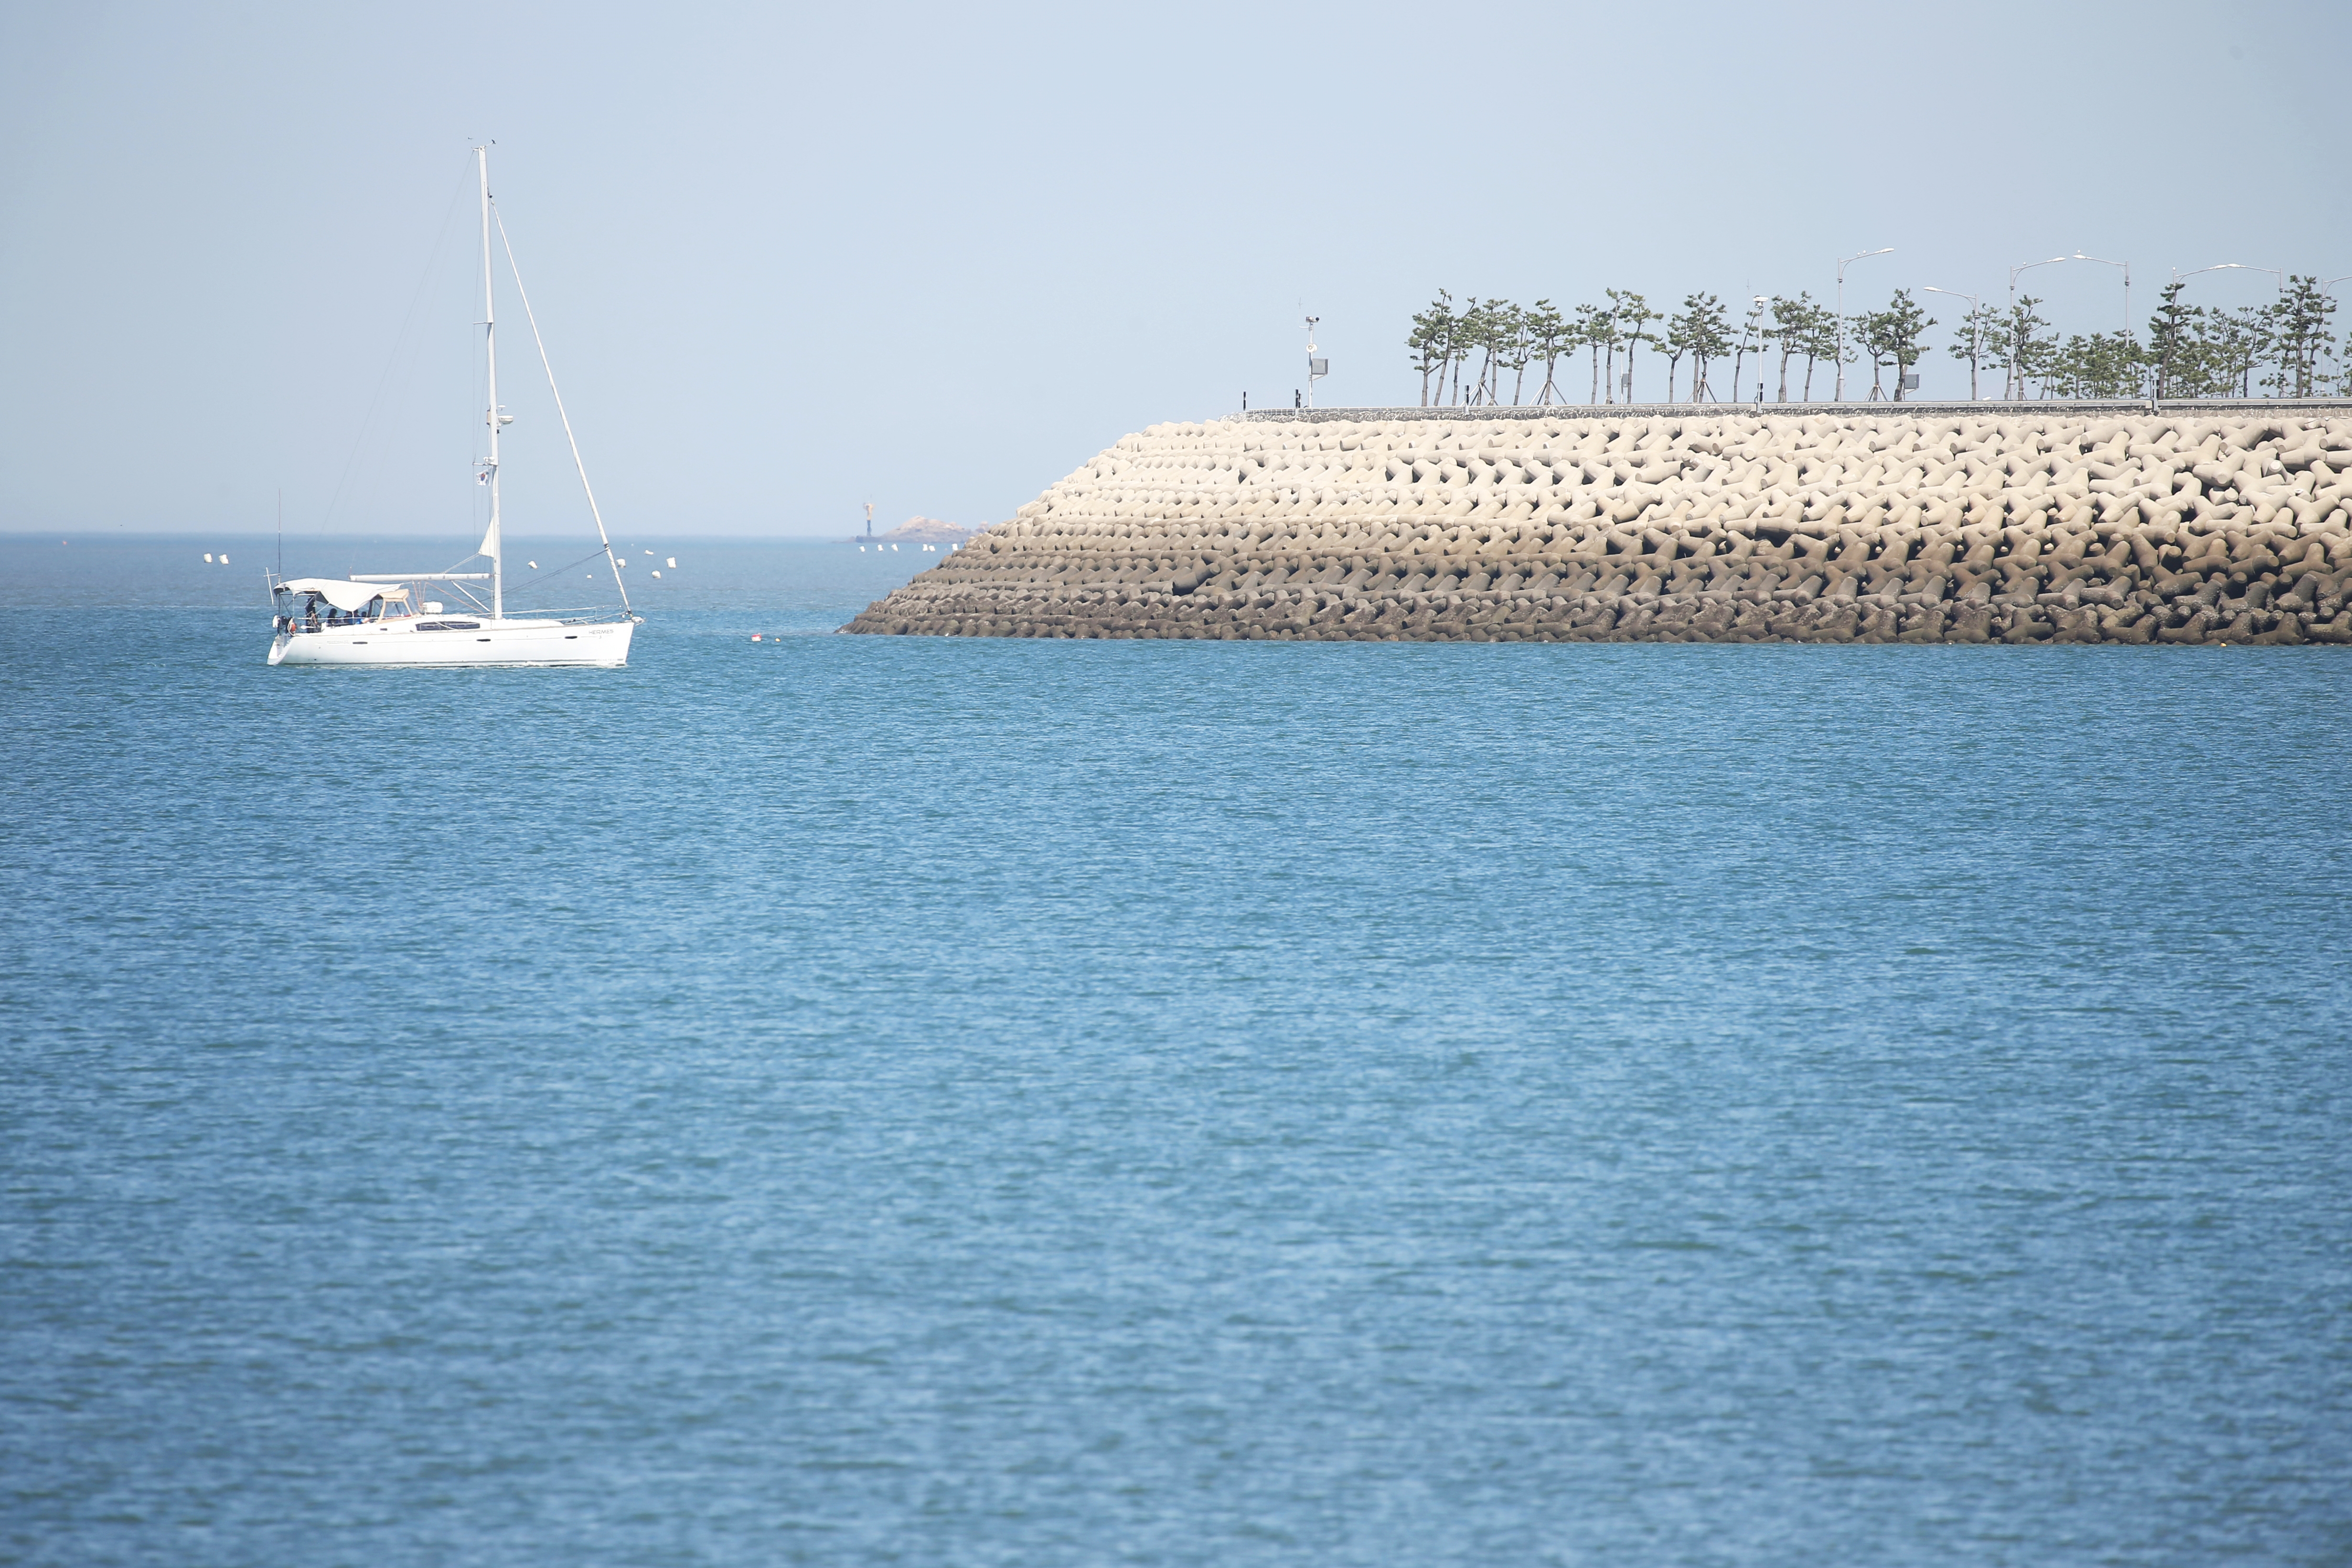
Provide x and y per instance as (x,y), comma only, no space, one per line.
(382,617)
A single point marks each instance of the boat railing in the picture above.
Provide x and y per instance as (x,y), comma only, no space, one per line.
(303,625)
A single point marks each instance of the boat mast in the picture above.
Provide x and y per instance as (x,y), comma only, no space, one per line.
(492,546)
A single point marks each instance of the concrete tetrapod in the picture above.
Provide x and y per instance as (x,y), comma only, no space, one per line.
(2208,526)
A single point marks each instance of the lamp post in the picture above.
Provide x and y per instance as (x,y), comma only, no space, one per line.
(1841,313)
(1975,329)
(1759,299)
(2103,261)
(1747,330)
(2015,376)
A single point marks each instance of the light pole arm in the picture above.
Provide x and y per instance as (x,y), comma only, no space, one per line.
(2103,261)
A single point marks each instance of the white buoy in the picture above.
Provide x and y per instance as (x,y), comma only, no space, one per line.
(894,550)
(656,572)
(208,557)
(224,558)
(532,564)
(672,562)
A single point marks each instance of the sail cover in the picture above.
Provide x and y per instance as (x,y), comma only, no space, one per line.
(341,593)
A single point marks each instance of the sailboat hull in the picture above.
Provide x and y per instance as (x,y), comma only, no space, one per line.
(600,644)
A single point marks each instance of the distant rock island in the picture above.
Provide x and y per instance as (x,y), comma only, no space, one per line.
(924,530)
(2217,522)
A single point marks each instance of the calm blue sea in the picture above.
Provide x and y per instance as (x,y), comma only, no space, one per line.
(862,1101)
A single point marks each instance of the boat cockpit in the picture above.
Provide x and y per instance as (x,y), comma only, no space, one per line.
(320,604)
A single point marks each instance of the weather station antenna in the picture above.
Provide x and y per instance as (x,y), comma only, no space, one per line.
(1317,368)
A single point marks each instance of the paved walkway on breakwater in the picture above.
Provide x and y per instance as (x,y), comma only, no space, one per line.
(1967,522)
(2217,408)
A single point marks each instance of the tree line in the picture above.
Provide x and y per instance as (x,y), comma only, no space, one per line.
(1472,353)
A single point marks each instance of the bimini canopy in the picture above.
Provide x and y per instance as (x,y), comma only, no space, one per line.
(342,593)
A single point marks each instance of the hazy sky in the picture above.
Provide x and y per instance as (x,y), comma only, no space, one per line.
(789,260)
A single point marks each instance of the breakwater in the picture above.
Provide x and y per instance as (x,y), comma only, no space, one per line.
(2213,523)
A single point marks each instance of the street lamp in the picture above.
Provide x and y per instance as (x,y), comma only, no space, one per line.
(1841,313)
(1975,329)
(2103,261)
(2016,374)
(2278,273)
(1747,330)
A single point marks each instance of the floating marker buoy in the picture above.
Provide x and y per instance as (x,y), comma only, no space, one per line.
(894,550)
(532,564)
(672,562)
(224,558)
(208,557)
(656,572)
(755,636)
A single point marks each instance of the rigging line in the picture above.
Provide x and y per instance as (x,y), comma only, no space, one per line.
(601,537)
(550,572)
(432,260)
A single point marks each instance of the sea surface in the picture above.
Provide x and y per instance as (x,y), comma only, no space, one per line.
(863,1101)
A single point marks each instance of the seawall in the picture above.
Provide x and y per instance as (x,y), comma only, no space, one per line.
(1968,522)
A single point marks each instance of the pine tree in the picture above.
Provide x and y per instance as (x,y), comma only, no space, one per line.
(1700,333)
(1547,337)
(1634,319)
(1792,324)
(1973,341)
(2300,333)
(2242,340)
(2103,365)
(1592,329)
(2024,348)
(2173,333)
(1515,346)
(1708,331)
(1428,341)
